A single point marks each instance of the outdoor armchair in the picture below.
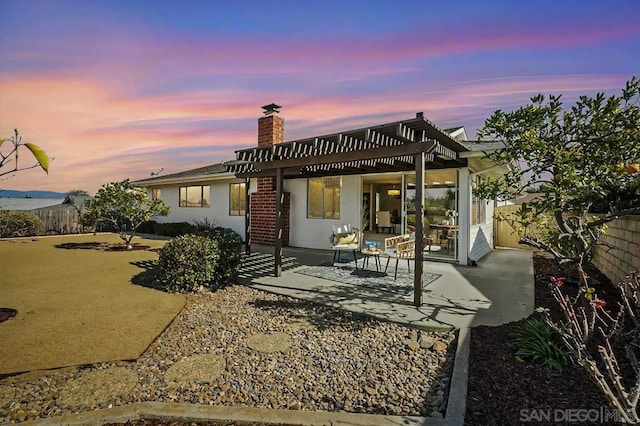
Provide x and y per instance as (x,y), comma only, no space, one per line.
(399,247)
(344,238)
(404,250)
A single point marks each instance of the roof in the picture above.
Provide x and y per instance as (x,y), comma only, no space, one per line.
(217,169)
(77,200)
(28,203)
(374,149)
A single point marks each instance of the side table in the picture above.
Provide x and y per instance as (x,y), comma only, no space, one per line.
(375,253)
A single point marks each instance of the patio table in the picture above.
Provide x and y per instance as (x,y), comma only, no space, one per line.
(376,258)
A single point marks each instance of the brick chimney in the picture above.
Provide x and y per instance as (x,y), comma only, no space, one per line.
(263,202)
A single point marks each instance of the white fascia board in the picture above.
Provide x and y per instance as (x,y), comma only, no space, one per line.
(190,179)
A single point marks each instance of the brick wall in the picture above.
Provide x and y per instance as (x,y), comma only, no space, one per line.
(263,218)
(624,238)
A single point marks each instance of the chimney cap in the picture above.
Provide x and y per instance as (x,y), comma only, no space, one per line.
(271,108)
(420,115)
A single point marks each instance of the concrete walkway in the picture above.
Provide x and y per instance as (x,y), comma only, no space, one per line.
(499,290)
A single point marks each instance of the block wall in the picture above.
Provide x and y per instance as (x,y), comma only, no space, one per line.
(624,256)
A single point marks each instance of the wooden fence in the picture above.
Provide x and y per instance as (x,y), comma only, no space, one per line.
(59,221)
(503,233)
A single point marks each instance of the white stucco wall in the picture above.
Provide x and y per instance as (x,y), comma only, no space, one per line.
(314,233)
(218,210)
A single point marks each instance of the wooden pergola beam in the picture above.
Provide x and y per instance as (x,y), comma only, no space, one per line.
(341,157)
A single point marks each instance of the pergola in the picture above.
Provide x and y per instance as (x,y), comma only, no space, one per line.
(408,145)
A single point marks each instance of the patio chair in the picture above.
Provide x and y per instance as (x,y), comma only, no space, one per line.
(399,247)
(344,238)
(404,250)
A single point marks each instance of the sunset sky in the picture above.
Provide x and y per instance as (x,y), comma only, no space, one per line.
(117,89)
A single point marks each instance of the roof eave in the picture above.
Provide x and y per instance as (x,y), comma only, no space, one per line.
(190,179)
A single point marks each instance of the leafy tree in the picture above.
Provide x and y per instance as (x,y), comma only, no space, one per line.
(575,156)
(9,158)
(123,206)
(579,156)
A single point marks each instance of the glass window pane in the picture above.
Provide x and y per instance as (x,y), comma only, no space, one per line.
(242,197)
(193,196)
(183,197)
(314,198)
(206,196)
(332,198)
(237,198)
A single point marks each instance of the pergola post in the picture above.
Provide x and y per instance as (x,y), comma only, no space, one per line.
(278,240)
(419,247)
(247,216)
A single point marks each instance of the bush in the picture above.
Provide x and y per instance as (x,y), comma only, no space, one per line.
(540,344)
(188,262)
(20,224)
(230,246)
(148,227)
(174,229)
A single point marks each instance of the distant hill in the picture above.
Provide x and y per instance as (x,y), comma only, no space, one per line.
(10,193)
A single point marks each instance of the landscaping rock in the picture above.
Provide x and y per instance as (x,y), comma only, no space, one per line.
(439,346)
(98,386)
(413,345)
(196,369)
(427,342)
(268,343)
(210,355)
(7,393)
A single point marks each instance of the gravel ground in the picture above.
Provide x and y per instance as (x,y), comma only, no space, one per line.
(243,347)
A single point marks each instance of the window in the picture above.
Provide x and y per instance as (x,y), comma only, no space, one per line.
(194,196)
(156,193)
(237,199)
(323,198)
(478,208)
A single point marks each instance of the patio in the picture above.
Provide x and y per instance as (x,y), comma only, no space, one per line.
(499,290)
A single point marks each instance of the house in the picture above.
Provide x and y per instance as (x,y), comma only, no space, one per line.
(342,178)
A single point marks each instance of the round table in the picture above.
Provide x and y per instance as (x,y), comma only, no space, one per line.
(376,257)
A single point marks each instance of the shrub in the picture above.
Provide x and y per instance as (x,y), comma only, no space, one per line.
(188,262)
(174,229)
(540,344)
(148,227)
(230,246)
(20,224)
(204,224)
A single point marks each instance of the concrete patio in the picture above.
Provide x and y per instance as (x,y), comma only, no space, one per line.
(498,290)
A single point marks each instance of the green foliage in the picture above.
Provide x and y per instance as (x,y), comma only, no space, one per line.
(188,262)
(204,224)
(576,157)
(540,344)
(230,246)
(20,224)
(9,157)
(124,207)
(174,229)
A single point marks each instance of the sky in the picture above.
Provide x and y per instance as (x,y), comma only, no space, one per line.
(118,89)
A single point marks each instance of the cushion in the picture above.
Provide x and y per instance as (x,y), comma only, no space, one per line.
(347,238)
